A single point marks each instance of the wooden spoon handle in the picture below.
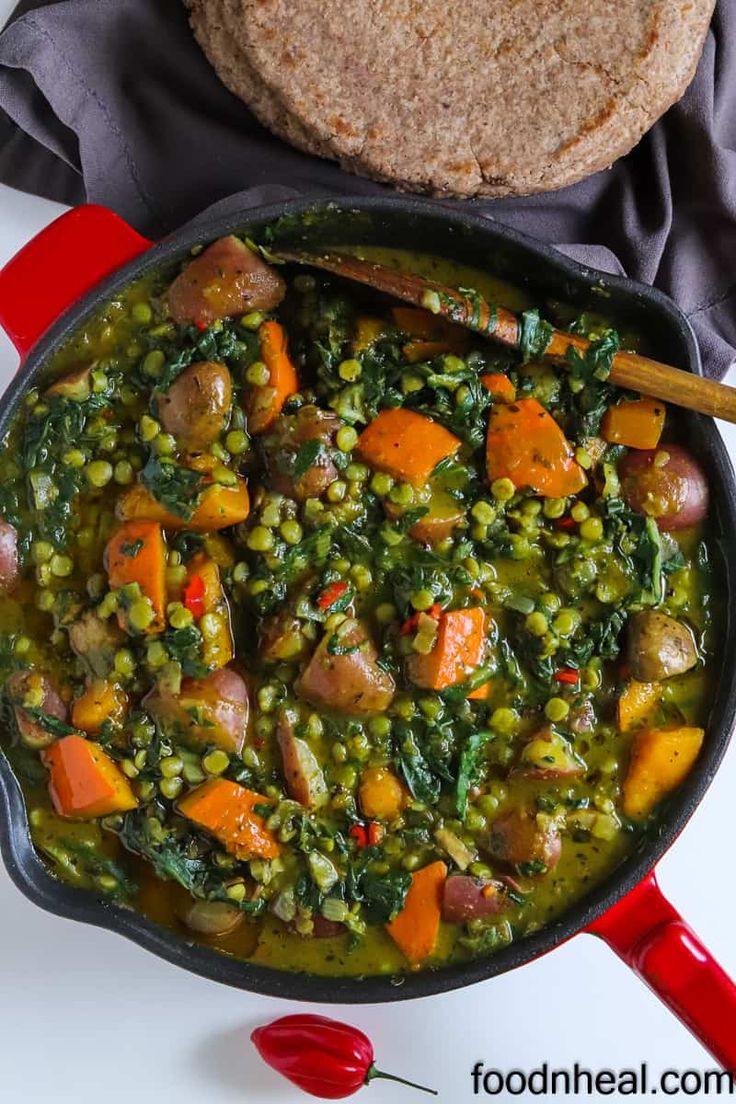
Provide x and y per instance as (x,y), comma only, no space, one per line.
(629,370)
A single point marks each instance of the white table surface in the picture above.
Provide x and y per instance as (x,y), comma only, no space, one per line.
(86,1016)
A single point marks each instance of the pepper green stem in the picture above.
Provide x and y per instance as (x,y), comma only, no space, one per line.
(376,1074)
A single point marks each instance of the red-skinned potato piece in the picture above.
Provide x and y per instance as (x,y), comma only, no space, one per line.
(211,710)
(343,674)
(284,441)
(196,407)
(9,567)
(529,843)
(667,484)
(18,686)
(305,781)
(465,898)
(225,280)
(549,755)
(322,928)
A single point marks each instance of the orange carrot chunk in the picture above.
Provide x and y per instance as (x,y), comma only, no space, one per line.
(526,445)
(458,650)
(636,423)
(406,445)
(84,781)
(415,929)
(137,554)
(265,403)
(661,760)
(499,385)
(226,810)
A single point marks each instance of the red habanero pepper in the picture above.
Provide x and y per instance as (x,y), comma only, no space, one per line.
(330,595)
(322,1056)
(193,595)
(412,623)
(568,675)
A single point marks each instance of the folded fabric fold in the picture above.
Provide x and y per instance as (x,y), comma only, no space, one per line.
(112,101)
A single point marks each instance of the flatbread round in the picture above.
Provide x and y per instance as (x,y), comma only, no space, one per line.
(487,97)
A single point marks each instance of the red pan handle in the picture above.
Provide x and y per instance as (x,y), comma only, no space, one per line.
(60,265)
(652,938)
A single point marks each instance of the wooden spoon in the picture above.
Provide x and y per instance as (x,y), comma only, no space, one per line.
(629,370)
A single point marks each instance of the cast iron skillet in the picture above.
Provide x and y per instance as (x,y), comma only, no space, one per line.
(50,289)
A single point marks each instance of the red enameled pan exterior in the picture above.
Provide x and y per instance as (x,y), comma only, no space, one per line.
(70,268)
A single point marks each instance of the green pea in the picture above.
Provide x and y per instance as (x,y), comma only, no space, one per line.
(98,473)
(75,458)
(180,617)
(258,374)
(349,370)
(141,615)
(503,490)
(591,529)
(260,539)
(579,512)
(336,491)
(236,442)
(153,363)
(346,439)
(124,663)
(385,613)
(141,313)
(148,428)
(536,623)
(41,551)
(164,444)
(422,599)
(253,320)
(483,512)
(241,569)
(171,787)
(381,483)
(123,473)
(171,766)
(216,762)
(554,507)
(556,709)
(402,494)
(504,720)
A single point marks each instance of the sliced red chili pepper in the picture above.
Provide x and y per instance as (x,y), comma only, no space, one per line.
(201,326)
(193,595)
(568,675)
(412,623)
(565,523)
(376,832)
(330,594)
(359,833)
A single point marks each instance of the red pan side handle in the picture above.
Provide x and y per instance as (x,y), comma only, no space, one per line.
(60,265)
(652,938)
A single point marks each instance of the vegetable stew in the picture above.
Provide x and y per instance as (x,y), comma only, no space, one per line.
(334,636)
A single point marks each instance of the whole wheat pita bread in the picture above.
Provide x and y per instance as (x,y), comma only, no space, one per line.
(488,97)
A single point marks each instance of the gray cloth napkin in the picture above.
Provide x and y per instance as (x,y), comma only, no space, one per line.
(112,101)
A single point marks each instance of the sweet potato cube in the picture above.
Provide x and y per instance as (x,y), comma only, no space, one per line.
(661,760)
(225,809)
(84,781)
(415,928)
